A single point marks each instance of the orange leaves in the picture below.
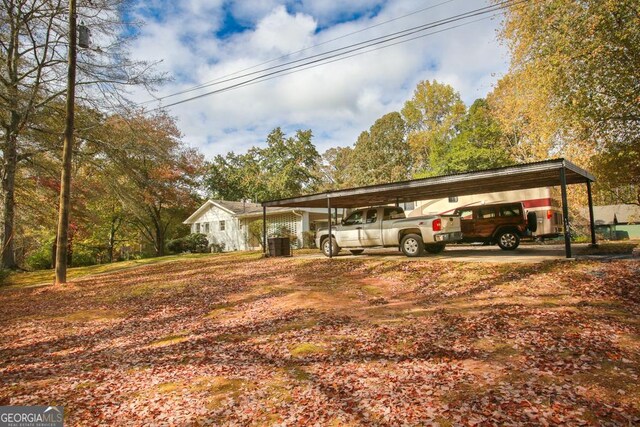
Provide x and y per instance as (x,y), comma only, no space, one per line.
(217,341)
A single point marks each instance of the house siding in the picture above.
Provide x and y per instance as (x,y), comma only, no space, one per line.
(236,235)
(229,236)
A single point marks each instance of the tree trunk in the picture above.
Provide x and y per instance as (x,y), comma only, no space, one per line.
(115,226)
(159,241)
(112,242)
(8,203)
(65,185)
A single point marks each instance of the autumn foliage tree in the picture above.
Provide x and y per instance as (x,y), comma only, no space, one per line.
(33,48)
(573,86)
(152,173)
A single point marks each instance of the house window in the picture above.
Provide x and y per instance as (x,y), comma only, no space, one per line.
(198,228)
(222,225)
(206,228)
(453,199)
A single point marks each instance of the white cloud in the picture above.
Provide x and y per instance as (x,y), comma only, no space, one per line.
(338,100)
(280,33)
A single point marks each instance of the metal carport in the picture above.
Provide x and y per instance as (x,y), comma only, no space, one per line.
(555,172)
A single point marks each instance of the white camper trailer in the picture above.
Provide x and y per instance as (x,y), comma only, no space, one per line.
(543,201)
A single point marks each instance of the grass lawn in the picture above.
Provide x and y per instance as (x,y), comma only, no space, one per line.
(234,339)
(43,277)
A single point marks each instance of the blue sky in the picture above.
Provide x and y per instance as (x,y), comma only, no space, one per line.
(198,41)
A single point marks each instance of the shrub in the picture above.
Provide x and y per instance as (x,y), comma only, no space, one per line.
(3,275)
(255,233)
(309,239)
(177,245)
(284,231)
(216,247)
(194,242)
(197,242)
(41,258)
(83,256)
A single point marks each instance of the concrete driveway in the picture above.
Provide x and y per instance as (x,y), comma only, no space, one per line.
(526,253)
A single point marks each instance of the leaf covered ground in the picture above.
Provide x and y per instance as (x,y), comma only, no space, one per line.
(238,340)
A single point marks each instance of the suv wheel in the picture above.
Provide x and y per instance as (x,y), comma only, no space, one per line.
(508,240)
(412,245)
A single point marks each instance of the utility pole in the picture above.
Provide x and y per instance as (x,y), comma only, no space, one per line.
(65,179)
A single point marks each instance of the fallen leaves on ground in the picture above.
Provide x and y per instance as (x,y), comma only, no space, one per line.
(239,340)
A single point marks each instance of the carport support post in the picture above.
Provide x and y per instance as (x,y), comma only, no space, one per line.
(565,212)
(329,217)
(592,223)
(264,230)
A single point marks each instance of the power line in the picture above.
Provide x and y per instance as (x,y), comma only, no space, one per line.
(321,59)
(275,76)
(205,84)
(370,42)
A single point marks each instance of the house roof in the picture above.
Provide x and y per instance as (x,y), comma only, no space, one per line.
(238,209)
(517,177)
(616,214)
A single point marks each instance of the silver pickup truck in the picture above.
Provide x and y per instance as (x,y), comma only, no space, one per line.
(388,226)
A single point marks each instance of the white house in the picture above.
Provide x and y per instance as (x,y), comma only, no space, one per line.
(227,223)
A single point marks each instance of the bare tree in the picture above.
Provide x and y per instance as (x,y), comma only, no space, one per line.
(33,52)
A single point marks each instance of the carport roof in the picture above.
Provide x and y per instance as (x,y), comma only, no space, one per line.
(517,177)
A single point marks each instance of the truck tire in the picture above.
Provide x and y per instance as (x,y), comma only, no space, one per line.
(356,251)
(412,245)
(508,240)
(434,248)
(335,249)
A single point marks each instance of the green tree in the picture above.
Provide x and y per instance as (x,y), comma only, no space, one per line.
(431,116)
(226,177)
(381,154)
(286,167)
(289,164)
(334,170)
(478,145)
